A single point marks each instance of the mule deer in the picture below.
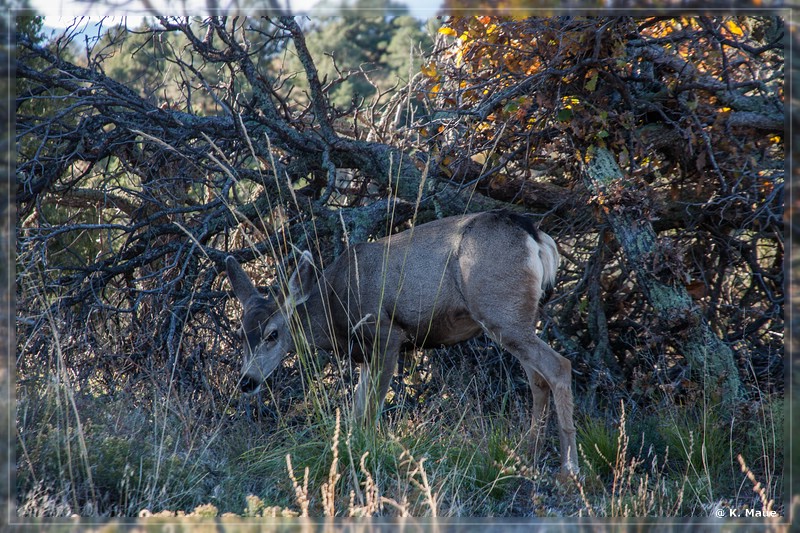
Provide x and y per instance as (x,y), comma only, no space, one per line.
(435,284)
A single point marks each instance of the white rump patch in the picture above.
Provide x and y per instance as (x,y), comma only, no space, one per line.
(543,259)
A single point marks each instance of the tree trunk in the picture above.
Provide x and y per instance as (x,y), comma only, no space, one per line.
(710,360)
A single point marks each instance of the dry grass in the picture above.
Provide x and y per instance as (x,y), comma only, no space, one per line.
(449,457)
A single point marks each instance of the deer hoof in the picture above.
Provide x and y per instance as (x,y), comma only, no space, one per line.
(569,473)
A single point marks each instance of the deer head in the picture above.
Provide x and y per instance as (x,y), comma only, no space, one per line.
(266,337)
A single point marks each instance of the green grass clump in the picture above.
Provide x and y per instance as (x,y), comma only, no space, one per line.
(599,443)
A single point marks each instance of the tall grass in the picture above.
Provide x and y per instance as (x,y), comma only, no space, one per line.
(452,456)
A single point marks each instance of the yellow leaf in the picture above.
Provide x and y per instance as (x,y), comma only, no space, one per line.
(734,28)
(429,70)
(448,31)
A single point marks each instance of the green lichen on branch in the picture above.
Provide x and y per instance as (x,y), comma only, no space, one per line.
(706,355)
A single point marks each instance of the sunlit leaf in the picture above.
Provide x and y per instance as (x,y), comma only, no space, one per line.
(734,28)
(480,157)
(429,70)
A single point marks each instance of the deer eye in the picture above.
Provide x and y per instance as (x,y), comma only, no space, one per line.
(272,336)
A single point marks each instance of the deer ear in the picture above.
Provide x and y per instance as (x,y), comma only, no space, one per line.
(302,280)
(243,288)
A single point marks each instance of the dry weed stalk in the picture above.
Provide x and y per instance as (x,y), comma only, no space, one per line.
(516,465)
(301,493)
(401,507)
(766,503)
(329,487)
(372,499)
(620,469)
(423,485)
(586,503)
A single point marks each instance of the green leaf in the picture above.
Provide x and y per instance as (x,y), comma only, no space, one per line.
(591,85)
(564,115)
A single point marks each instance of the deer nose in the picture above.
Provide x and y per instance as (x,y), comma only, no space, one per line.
(248,384)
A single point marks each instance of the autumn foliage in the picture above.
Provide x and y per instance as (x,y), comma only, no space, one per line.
(691,108)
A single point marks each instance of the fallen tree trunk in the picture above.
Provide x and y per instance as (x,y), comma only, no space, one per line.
(710,360)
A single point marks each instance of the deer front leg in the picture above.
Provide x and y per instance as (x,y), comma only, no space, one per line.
(375,407)
(374,380)
(361,394)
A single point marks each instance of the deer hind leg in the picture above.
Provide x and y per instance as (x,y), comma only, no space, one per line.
(556,370)
(539,360)
(541,398)
(543,364)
